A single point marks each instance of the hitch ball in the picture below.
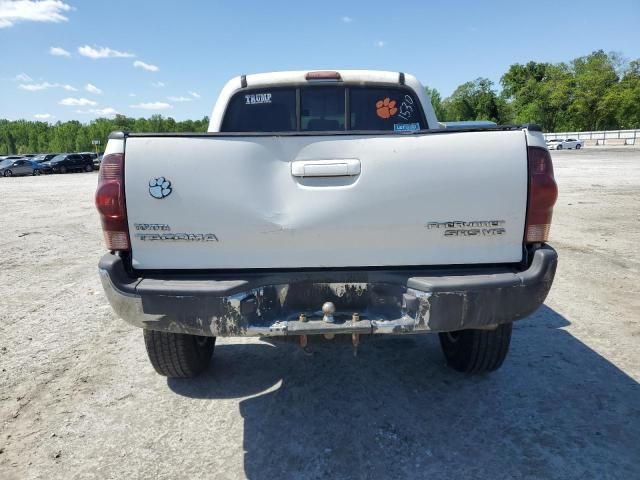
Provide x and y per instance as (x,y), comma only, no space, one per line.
(328,309)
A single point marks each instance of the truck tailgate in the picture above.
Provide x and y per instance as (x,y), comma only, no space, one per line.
(240,202)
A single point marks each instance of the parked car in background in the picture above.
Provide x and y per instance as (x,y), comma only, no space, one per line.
(94,159)
(22,166)
(44,157)
(37,168)
(97,162)
(569,144)
(11,157)
(68,162)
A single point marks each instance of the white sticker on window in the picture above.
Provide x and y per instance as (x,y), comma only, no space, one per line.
(256,98)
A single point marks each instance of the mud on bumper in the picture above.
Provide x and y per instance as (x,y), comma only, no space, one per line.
(386,301)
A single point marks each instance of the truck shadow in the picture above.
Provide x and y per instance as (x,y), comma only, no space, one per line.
(556,409)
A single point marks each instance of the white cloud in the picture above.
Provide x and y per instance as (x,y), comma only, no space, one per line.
(12,12)
(158,84)
(380,43)
(35,87)
(179,99)
(152,106)
(92,88)
(77,102)
(43,116)
(107,111)
(194,94)
(102,52)
(59,52)
(346,19)
(132,94)
(23,77)
(145,66)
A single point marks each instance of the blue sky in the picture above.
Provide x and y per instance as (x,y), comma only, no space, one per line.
(144,57)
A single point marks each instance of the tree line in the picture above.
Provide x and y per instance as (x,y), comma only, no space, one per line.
(600,91)
(22,136)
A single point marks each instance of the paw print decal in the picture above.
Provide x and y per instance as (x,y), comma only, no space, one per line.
(386,108)
(159,187)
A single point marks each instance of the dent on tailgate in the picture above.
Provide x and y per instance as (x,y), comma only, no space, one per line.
(233,202)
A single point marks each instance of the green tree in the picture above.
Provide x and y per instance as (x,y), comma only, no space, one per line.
(622,102)
(594,76)
(476,100)
(538,93)
(436,102)
(22,136)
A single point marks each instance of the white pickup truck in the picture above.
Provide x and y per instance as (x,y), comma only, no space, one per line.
(326,203)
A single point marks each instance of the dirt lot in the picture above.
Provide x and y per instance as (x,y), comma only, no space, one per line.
(78,398)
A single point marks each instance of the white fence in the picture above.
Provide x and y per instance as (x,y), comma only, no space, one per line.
(602,137)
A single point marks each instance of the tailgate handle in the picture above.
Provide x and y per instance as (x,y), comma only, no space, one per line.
(346,167)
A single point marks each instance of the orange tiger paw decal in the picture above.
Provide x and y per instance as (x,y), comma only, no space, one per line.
(386,108)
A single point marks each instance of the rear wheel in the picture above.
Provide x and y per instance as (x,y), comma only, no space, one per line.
(63,169)
(88,168)
(578,147)
(178,355)
(559,147)
(476,351)
(36,173)
(8,173)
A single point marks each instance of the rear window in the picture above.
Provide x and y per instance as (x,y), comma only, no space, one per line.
(261,111)
(384,109)
(324,109)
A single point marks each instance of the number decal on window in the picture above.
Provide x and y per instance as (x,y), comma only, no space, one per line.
(406,108)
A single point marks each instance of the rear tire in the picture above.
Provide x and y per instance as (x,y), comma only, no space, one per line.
(559,147)
(63,169)
(578,147)
(36,173)
(476,351)
(178,355)
(8,173)
(88,168)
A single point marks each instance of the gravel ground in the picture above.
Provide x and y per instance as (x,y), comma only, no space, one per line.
(78,398)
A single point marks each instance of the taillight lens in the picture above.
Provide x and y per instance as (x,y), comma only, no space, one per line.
(543,193)
(110,202)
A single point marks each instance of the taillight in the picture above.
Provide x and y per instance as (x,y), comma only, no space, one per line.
(110,202)
(543,192)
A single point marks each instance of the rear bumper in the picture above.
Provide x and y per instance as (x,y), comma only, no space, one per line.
(387,301)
